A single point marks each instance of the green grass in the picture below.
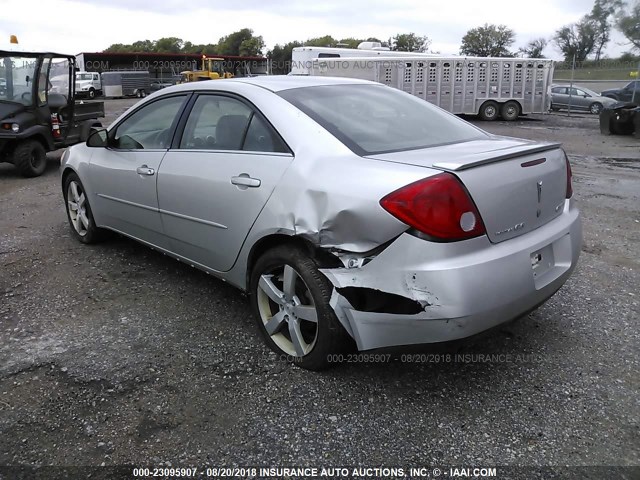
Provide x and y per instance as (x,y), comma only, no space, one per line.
(594,74)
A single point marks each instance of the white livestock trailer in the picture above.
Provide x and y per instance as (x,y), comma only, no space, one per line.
(489,87)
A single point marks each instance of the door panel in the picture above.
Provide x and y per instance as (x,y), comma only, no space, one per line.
(124,175)
(124,199)
(204,214)
(213,185)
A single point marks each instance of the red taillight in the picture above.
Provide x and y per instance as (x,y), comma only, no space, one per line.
(569,177)
(438,206)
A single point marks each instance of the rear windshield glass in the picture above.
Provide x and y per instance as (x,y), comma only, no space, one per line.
(372,119)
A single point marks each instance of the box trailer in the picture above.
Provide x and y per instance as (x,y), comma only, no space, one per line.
(126,83)
(488,87)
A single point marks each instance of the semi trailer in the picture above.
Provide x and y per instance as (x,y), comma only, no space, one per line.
(485,86)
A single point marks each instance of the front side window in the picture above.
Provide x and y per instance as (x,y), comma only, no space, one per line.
(150,126)
(371,119)
(16,78)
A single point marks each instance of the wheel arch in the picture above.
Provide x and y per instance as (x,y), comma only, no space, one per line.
(38,137)
(321,256)
(65,174)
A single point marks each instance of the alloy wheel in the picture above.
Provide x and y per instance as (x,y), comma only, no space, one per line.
(76,201)
(287,311)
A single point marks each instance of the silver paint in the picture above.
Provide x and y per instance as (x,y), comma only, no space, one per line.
(211,208)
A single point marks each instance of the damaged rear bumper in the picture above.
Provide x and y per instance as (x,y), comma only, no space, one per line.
(460,288)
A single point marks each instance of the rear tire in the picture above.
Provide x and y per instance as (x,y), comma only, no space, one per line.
(510,111)
(489,111)
(30,158)
(143,94)
(290,297)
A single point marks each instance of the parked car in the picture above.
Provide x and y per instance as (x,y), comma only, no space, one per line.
(626,93)
(349,211)
(581,99)
(159,85)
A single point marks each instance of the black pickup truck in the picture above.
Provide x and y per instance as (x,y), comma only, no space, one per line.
(38,111)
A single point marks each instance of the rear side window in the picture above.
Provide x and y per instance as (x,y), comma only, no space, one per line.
(371,119)
(218,122)
(262,138)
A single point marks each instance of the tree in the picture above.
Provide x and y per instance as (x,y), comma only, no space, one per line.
(349,42)
(117,48)
(534,48)
(252,47)
(168,45)
(601,14)
(230,44)
(628,22)
(488,41)
(144,46)
(410,42)
(281,57)
(326,41)
(577,39)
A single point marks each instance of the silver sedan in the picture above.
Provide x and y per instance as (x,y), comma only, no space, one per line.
(351,213)
(578,98)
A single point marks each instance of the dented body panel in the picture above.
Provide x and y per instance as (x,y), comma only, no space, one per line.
(464,287)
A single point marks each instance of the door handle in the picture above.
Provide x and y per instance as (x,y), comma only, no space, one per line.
(144,170)
(244,180)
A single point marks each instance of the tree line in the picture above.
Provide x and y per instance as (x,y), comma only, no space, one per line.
(581,40)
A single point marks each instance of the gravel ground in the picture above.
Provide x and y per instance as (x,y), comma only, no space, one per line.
(114,354)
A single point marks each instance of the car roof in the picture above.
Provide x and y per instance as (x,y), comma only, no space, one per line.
(276,83)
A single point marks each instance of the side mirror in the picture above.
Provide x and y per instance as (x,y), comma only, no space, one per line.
(98,138)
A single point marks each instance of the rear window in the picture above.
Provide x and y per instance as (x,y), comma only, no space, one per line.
(371,119)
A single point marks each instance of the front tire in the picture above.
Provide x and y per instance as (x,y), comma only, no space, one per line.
(290,300)
(30,158)
(92,93)
(595,108)
(489,111)
(79,211)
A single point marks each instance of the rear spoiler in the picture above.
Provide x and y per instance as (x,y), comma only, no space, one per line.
(491,157)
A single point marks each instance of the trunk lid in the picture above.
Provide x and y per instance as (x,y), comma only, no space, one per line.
(517,185)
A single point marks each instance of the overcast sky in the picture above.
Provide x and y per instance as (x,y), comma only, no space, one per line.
(74,26)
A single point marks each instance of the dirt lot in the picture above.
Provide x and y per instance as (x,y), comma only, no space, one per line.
(114,354)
